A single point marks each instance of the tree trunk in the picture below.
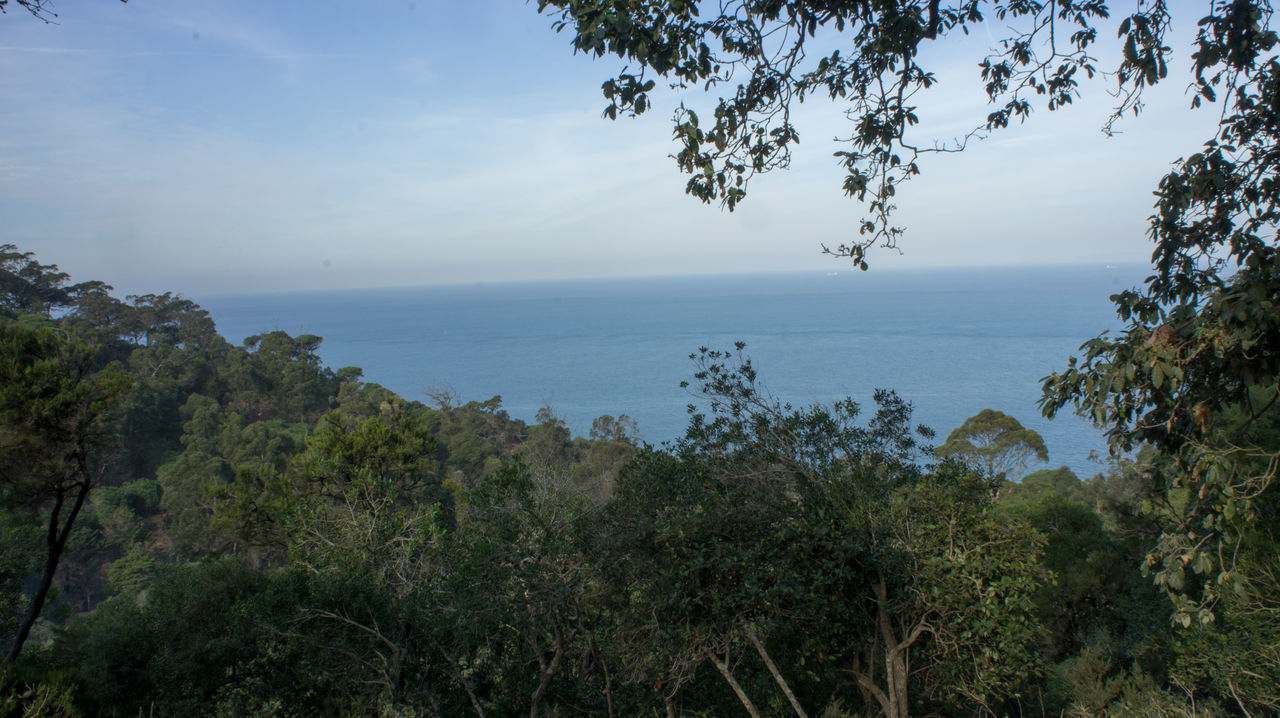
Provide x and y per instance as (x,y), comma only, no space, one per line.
(544,682)
(773,670)
(895,653)
(893,696)
(733,683)
(56,539)
(466,685)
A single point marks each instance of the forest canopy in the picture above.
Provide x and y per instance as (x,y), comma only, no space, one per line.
(260,534)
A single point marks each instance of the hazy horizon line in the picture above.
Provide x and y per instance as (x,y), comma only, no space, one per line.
(873,271)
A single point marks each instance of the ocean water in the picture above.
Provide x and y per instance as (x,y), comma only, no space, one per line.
(950,341)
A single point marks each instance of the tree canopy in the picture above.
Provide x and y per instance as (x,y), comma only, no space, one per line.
(997,442)
(53,437)
(869,58)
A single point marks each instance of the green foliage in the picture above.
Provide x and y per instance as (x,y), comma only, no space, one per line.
(132,572)
(548,444)
(389,558)
(995,441)
(613,443)
(172,652)
(872,60)
(170,347)
(1095,683)
(1096,590)
(52,410)
(392,446)
(367,490)
(120,510)
(53,438)
(621,428)
(1237,656)
(283,377)
(771,521)
(26,286)
(475,436)
(692,558)
(365,568)
(46,699)
(1194,372)
(357,398)
(1060,482)
(1216,427)
(20,557)
(523,620)
(221,451)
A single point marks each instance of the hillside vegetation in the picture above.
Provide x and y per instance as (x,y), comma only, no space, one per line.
(240,530)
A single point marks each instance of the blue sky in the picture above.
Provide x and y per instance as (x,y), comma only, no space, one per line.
(235,146)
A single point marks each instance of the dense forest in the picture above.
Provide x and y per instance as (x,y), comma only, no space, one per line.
(197,527)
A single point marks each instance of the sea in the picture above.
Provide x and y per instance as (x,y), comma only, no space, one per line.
(950,341)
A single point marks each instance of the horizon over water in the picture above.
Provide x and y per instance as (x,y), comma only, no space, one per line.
(950,341)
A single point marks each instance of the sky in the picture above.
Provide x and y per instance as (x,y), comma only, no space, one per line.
(247,146)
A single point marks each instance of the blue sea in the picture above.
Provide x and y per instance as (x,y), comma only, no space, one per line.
(950,341)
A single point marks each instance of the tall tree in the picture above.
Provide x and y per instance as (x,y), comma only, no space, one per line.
(28,286)
(774,521)
(53,437)
(997,442)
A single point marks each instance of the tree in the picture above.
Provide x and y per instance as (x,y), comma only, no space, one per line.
(1098,589)
(773,521)
(548,446)
(53,438)
(995,441)
(613,443)
(284,376)
(171,651)
(1195,378)
(28,286)
(870,58)
(522,614)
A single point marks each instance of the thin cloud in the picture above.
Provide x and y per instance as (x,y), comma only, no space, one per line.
(245,36)
(46,50)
